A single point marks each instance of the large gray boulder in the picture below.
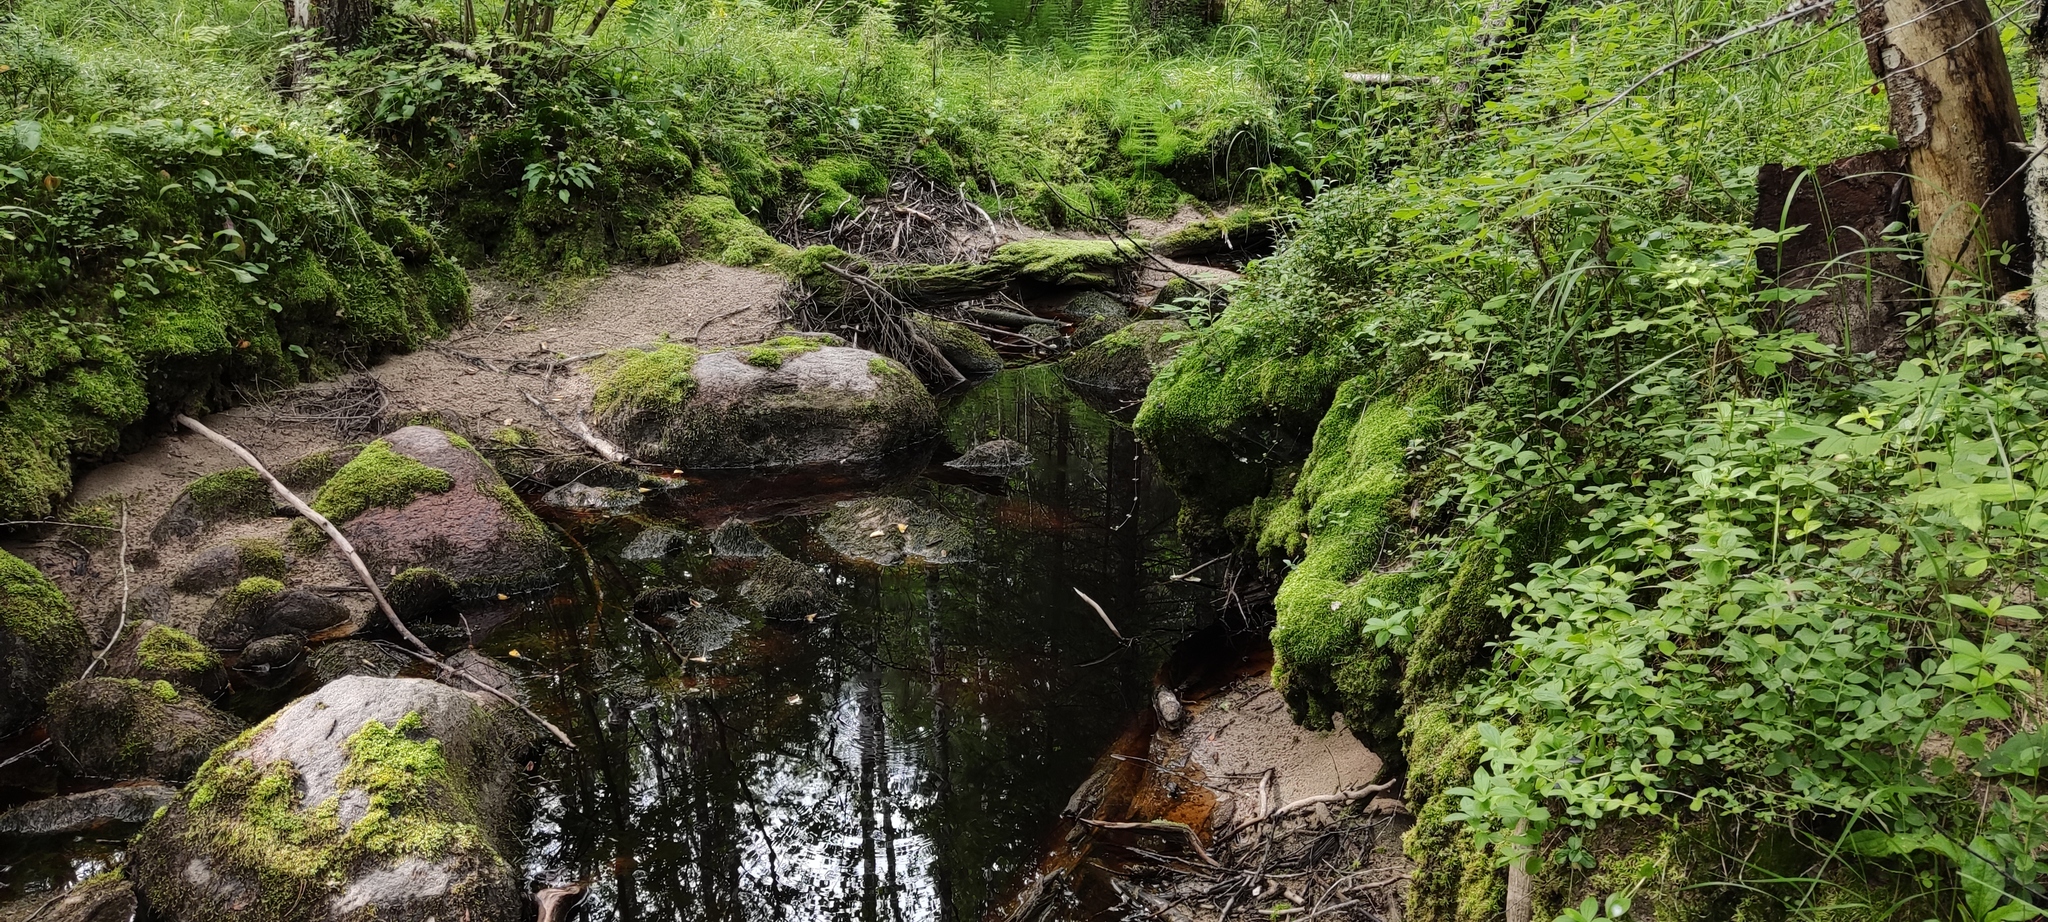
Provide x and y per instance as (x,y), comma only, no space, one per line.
(790,402)
(42,641)
(372,798)
(421,498)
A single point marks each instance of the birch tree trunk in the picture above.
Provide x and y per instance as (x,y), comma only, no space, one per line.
(1954,111)
(2037,171)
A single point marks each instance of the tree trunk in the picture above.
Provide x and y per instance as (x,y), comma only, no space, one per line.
(2037,170)
(1504,33)
(339,24)
(1955,113)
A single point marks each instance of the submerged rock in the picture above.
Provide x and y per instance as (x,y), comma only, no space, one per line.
(999,457)
(370,798)
(782,588)
(791,402)
(68,814)
(103,897)
(735,538)
(422,498)
(887,529)
(125,728)
(652,544)
(356,657)
(582,497)
(1124,362)
(272,661)
(42,641)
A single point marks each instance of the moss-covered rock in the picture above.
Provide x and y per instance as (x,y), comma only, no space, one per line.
(970,354)
(1247,231)
(103,897)
(241,614)
(1352,499)
(372,798)
(1454,878)
(838,184)
(127,728)
(1123,363)
(42,642)
(225,565)
(231,495)
(819,404)
(153,652)
(423,498)
(785,589)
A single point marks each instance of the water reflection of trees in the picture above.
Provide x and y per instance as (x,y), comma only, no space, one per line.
(900,762)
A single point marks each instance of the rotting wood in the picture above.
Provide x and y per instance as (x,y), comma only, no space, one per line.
(348,550)
(557,903)
(1954,112)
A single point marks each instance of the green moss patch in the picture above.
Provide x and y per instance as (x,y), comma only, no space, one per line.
(171,652)
(659,378)
(774,352)
(378,478)
(41,640)
(839,183)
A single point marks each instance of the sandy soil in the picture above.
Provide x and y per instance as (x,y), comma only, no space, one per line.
(467,380)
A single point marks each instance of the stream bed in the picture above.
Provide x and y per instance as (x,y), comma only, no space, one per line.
(896,747)
(809,700)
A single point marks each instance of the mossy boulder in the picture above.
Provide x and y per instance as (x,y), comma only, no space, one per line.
(823,405)
(970,354)
(42,642)
(150,651)
(1124,362)
(215,499)
(422,498)
(127,728)
(785,589)
(241,614)
(371,798)
(225,565)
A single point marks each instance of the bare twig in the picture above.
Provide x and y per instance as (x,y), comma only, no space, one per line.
(1305,803)
(341,542)
(581,432)
(122,625)
(1102,614)
(1194,840)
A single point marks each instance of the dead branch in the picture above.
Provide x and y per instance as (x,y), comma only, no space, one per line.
(1364,79)
(122,624)
(1304,804)
(576,428)
(1102,614)
(444,667)
(1194,840)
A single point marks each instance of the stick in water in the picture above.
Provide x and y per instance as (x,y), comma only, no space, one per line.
(1098,610)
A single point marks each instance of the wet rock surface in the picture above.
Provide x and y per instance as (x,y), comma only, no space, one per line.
(356,657)
(67,814)
(1124,362)
(42,641)
(887,530)
(785,589)
(828,405)
(476,533)
(105,897)
(996,457)
(397,809)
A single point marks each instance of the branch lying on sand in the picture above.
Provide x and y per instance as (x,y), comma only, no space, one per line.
(1305,803)
(576,428)
(348,550)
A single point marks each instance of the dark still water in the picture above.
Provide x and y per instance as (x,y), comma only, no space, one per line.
(859,706)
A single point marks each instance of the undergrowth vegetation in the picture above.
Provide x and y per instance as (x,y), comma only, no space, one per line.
(1690,614)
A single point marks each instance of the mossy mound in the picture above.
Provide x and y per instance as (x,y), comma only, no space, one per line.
(215,499)
(1123,363)
(240,615)
(424,498)
(1351,498)
(228,564)
(153,652)
(816,404)
(371,798)
(42,642)
(970,354)
(378,477)
(838,183)
(127,728)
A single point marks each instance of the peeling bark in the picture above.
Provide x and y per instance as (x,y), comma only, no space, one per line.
(1955,114)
